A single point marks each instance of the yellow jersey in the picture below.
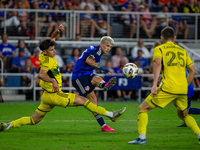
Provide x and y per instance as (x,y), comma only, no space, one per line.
(50,64)
(174,60)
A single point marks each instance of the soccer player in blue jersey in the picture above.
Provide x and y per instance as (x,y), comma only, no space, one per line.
(190,110)
(85,81)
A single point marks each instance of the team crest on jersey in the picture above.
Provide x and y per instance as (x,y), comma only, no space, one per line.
(87,88)
(92,47)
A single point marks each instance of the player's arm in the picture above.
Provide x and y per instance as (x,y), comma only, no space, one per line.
(43,76)
(191,74)
(56,32)
(90,61)
(156,72)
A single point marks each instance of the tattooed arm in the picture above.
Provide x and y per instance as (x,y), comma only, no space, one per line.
(90,61)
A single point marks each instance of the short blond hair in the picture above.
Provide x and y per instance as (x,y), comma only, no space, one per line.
(107,39)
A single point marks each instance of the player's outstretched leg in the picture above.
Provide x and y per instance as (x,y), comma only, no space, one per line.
(100,110)
(17,123)
(110,84)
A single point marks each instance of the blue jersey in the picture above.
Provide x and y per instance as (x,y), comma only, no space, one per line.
(81,67)
(19,62)
(190,89)
(7,50)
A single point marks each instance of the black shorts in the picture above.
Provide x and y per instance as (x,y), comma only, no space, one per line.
(83,84)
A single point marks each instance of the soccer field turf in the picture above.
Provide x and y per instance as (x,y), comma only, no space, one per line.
(75,128)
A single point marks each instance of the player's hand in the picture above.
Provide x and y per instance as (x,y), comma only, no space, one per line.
(61,27)
(154,90)
(105,69)
(55,87)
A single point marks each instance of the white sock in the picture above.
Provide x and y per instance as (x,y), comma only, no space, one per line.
(103,126)
(142,136)
(109,114)
(198,136)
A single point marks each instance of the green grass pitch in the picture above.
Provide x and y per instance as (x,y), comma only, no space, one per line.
(75,128)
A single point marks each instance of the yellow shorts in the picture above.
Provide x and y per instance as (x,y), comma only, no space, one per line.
(163,98)
(49,100)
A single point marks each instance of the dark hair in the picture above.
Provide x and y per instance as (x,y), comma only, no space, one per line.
(20,41)
(45,44)
(168,33)
(74,51)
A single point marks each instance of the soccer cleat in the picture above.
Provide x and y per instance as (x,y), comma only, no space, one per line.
(138,141)
(4,126)
(117,113)
(106,128)
(182,125)
(110,84)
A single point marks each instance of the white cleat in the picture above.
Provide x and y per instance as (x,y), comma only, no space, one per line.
(117,113)
(4,126)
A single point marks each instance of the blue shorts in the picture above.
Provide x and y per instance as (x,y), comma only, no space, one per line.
(83,84)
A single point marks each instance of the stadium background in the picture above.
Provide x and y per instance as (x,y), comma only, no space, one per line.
(40,16)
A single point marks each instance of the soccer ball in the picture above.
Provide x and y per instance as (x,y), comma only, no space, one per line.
(130,70)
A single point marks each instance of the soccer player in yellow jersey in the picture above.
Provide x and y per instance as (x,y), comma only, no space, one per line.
(51,82)
(172,60)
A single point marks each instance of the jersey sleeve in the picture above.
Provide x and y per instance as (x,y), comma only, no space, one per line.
(189,62)
(45,64)
(157,53)
(93,54)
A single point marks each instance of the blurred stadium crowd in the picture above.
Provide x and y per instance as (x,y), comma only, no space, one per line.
(23,22)
(24,57)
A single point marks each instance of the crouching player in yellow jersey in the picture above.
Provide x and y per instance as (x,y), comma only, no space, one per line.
(51,82)
(173,60)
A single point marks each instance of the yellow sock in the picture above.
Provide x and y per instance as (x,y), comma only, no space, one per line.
(142,122)
(22,121)
(94,108)
(191,123)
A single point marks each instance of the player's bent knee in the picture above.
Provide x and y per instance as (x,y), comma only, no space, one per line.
(79,100)
(144,107)
(185,113)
